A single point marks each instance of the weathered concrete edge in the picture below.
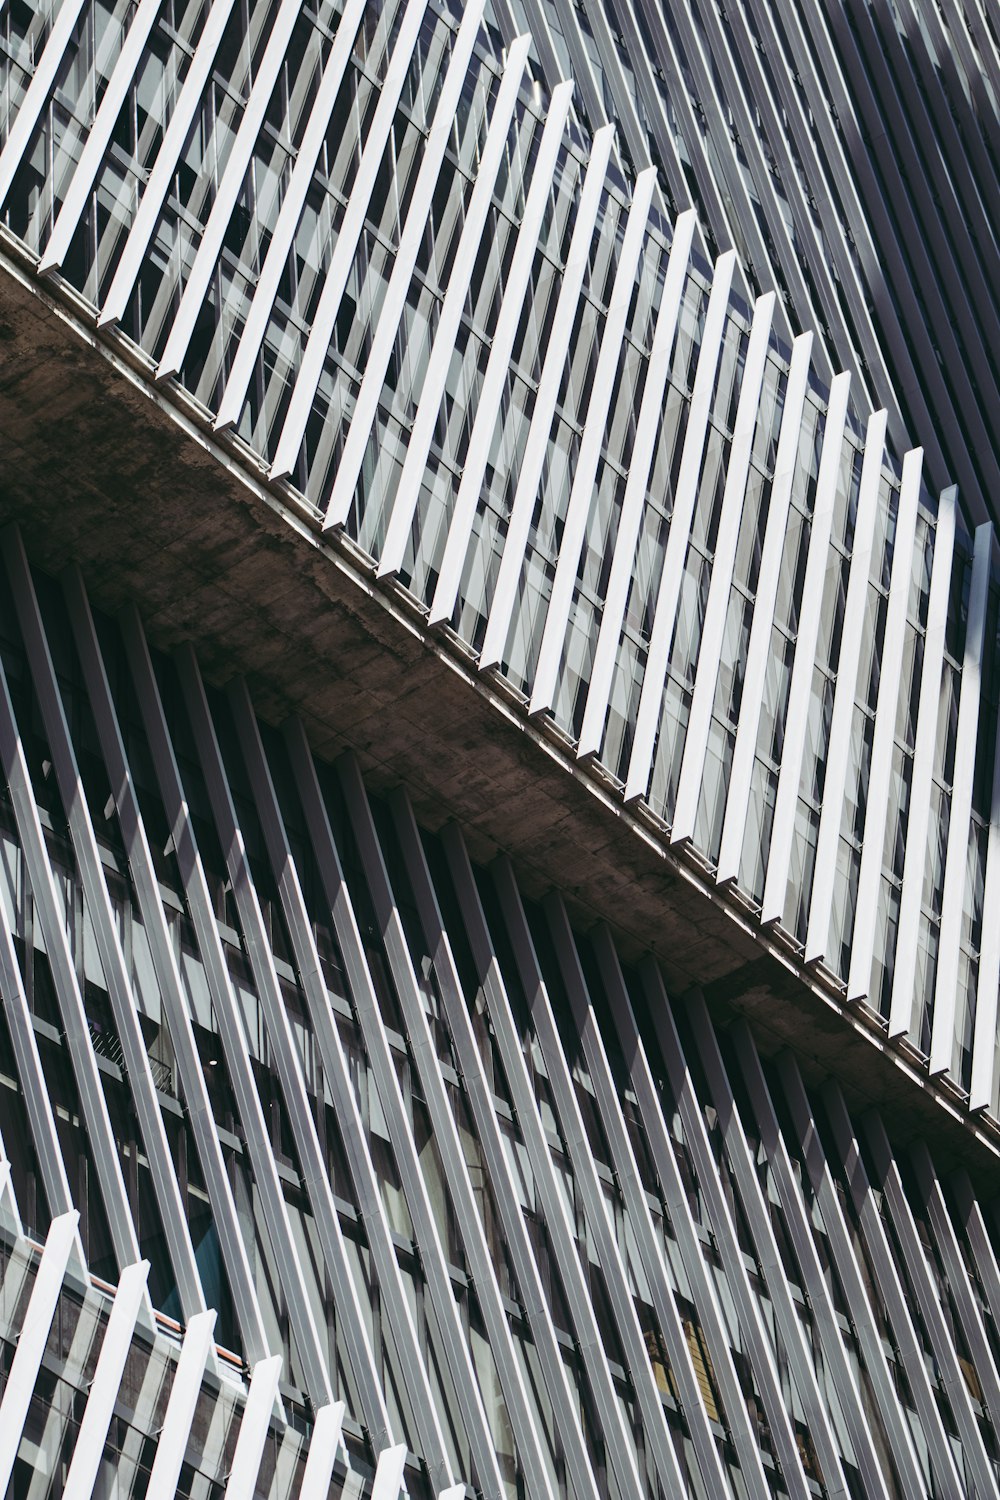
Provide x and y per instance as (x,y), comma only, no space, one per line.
(782,999)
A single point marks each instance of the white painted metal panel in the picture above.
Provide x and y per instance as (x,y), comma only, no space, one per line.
(633,502)
(800,691)
(870,874)
(915,858)
(533,459)
(497,369)
(450,316)
(723,563)
(957,860)
(93,1430)
(587,459)
(759,646)
(172,1442)
(668,597)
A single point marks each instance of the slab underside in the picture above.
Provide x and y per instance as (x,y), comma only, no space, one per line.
(102,469)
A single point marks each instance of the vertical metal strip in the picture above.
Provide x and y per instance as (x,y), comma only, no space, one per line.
(957,858)
(450,317)
(852,1277)
(284,1052)
(588,457)
(804,664)
(394,300)
(648,429)
(396,1309)
(323,1444)
(172,996)
(93,1430)
(564,1401)
(90,873)
(685,499)
(897,1300)
(37,1103)
(980,1237)
(713,628)
(82,181)
(561,1232)
(229,187)
(17,1393)
(842,720)
(289,215)
(599,1230)
(870,874)
(171,1445)
(66,15)
(442,1121)
(956,1272)
(649,1245)
(354,1132)
(51,916)
(915,858)
(663,1153)
(759,645)
(546,396)
(746,1301)
(928,1299)
(235,1046)
(439,1287)
(789,1332)
(984,1041)
(158,185)
(826,1326)
(498,367)
(242,1481)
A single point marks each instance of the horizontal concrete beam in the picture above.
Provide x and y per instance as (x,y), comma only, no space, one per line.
(101,468)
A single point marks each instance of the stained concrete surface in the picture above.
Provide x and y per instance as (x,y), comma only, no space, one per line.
(102,469)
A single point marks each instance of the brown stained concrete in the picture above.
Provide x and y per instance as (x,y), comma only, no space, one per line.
(102,469)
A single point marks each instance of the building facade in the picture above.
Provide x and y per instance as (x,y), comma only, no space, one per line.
(501,791)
